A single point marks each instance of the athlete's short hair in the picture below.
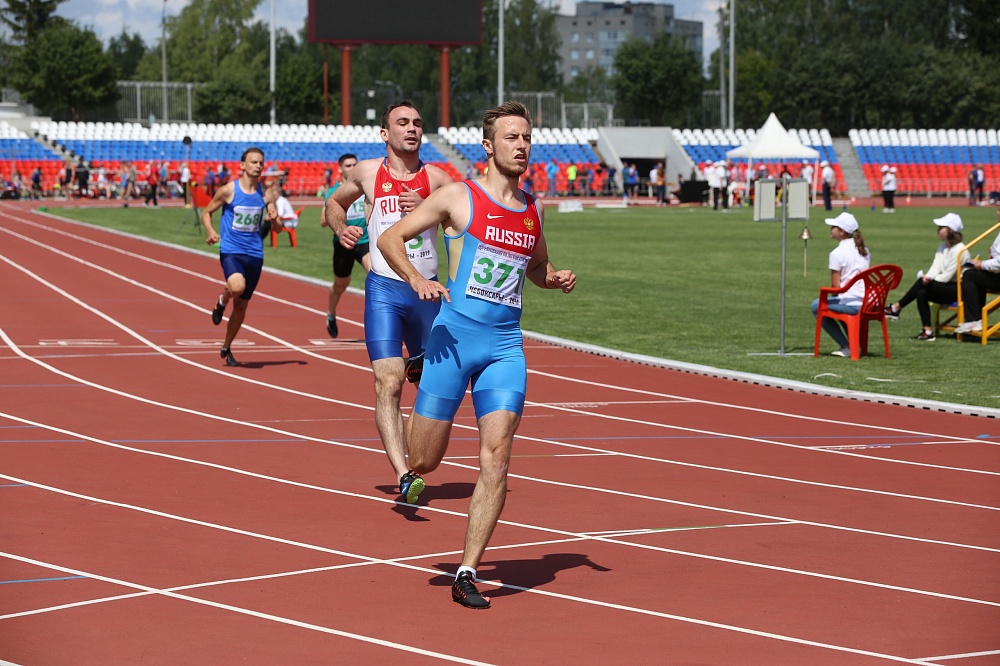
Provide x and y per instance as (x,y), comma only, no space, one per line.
(491,117)
(384,124)
(251,149)
(346,156)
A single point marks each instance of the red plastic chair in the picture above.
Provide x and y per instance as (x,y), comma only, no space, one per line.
(879,281)
(291,232)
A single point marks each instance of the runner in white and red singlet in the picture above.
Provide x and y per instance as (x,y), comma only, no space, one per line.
(392,187)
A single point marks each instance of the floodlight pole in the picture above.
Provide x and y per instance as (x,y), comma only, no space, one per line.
(326,86)
(163,55)
(722,78)
(732,64)
(500,40)
(272,62)
(345,84)
(445,77)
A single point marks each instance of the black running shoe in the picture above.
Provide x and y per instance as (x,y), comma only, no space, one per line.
(410,487)
(413,368)
(228,355)
(890,314)
(331,326)
(464,591)
(217,312)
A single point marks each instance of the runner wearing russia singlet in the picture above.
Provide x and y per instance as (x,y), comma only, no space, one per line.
(393,312)
(477,335)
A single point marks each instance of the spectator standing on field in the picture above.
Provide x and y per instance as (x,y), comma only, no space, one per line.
(152,185)
(888,189)
(807,174)
(551,172)
(829,180)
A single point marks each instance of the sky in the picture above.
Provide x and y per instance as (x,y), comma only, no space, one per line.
(108,17)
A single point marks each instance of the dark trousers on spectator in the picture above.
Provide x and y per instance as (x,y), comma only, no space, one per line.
(975,285)
(827,202)
(924,294)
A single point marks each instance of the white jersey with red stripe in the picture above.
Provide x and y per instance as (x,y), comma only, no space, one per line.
(422,250)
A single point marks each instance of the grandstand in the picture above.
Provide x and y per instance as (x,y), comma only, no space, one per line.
(565,146)
(21,153)
(706,146)
(931,162)
(304,152)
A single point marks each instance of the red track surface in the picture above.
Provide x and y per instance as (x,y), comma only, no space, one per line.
(158,507)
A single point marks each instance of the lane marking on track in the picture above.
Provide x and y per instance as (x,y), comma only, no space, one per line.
(167,265)
(684,528)
(399,646)
(967,655)
(119,325)
(237,609)
(295,305)
(40,580)
(564,533)
(13,346)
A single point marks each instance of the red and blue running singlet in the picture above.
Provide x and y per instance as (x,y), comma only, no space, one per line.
(488,261)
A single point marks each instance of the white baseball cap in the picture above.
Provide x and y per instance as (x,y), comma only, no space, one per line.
(824,163)
(844,221)
(885,167)
(950,220)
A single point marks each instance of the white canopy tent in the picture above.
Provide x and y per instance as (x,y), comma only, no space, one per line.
(774,142)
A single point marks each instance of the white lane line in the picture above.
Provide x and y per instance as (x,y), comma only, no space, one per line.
(13,346)
(759,410)
(360,496)
(312,354)
(797,447)
(246,611)
(537,372)
(398,646)
(220,372)
(659,530)
(163,264)
(967,655)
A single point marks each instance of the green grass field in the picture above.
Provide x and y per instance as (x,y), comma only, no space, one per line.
(698,286)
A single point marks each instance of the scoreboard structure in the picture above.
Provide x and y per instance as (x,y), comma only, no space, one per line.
(441,24)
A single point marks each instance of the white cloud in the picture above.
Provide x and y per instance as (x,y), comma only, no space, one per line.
(108,17)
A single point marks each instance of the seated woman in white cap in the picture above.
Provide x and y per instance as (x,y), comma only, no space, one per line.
(849,258)
(938,284)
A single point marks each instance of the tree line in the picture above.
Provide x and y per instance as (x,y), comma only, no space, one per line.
(816,63)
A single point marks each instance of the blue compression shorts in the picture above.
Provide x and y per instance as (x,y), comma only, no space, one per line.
(247,266)
(394,315)
(461,350)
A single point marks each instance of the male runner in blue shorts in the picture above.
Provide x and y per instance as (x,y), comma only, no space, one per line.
(493,233)
(344,258)
(241,250)
(392,187)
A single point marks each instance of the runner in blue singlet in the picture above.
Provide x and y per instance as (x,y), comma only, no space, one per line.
(241,250)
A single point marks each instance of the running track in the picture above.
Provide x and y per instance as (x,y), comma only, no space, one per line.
(158,507)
